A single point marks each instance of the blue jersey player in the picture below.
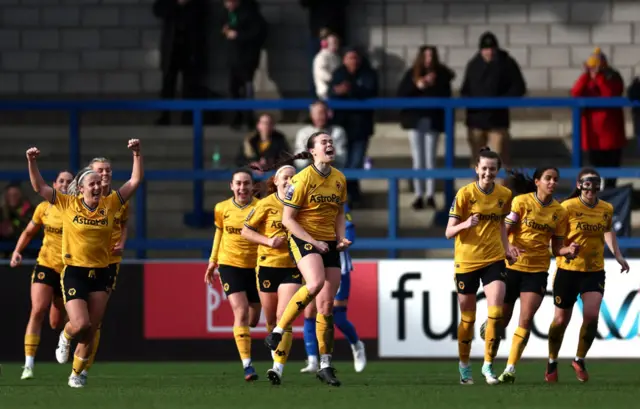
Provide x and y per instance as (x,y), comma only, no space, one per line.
(339,313)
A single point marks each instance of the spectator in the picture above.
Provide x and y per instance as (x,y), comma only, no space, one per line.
(324,15)
(320,117)
(263,147)
(427,78)
(633,92)
(183,48)
(491,73)
(603,129)
(245,31)
(16,213)
(325,63)
(355,79)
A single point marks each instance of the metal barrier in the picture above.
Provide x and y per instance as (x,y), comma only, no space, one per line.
(199,174)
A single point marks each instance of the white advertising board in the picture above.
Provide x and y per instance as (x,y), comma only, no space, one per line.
(419,314)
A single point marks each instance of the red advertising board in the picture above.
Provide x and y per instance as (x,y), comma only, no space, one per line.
(179,305)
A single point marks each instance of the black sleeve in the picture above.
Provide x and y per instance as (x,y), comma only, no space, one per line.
(407,88)
(164,8)
(517,86)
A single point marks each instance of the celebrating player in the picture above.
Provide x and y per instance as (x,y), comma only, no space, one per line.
(339,312)
(234,258)
(102,166)
(45,279)
(87,218)
(536,219)
(590,221)
(314,216)
(278,277)
(481,246)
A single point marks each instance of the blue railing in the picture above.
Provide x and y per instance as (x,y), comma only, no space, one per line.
(199,174)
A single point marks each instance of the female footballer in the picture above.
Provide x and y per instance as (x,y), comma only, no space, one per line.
(315,219)
(278,277)
(87,220)
(590,222)
(476,220)
(45,279)
(234,259)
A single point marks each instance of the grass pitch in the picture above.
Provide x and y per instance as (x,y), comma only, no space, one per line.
(384,384)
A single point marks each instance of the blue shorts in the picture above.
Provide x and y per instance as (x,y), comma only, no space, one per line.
(346,266)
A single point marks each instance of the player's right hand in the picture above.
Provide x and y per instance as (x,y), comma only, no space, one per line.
(212,271)
(32,153)
(473,220)
(16,259)
(321,246)
(277,242)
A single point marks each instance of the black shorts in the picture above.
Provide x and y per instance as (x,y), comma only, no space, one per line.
(114,269)
(79,282)
(300,248)
(468,283)
(567,285)
(270,278)
(522,282)
(48,276)
(236,279)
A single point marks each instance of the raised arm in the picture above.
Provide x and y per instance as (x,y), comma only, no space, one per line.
(37,182)
(137,174)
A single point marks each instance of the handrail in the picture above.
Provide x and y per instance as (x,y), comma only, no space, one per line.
(199,174)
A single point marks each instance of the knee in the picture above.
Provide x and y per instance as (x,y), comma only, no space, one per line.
(560,320)
(590,319)
(325,307)
(38,312)
(315,285)
(525,322)
(241,316)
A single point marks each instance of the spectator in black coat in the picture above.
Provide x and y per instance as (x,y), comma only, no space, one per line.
(355,79)
(492,72)
(427,78)
(183,48)
(263,147)
(15,214)
(245,30)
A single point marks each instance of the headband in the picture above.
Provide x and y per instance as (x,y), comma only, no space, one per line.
(284,167)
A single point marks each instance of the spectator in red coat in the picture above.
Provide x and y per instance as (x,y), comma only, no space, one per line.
(603,129)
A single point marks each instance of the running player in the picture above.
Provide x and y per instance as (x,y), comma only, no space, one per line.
(102,166)
(278,277)
(476,220)
(339,312)
(590,222)
(45,279)
(234,259)
(87,219)
(315,219)
(536,219)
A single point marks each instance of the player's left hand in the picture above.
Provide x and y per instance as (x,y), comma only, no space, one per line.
(212,270)
(343,244)
(513,253)
(118,249)
(134,145)
(624,266)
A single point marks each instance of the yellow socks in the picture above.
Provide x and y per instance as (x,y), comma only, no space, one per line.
(296,305)
(79,365)
(243,343)
(284,347)
(465,335)
(588,333)
(94,348)
(492,333)
(520,338)
(556,335)
(31,343)
(324,333)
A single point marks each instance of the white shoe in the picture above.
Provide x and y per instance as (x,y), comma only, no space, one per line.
(62,351)
(359,356)
(27,373)
(489,375)
(312,367)
(75,382)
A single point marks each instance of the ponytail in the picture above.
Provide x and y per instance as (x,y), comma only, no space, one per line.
(74,186)
(487,153)
(521,183)
(288,160)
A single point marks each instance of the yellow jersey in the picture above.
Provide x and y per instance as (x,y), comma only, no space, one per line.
(587,226)
(86,232)
(318,198)
(480,245)
(50,218)
(119,221)
(534,225)
(266,219)
(234,249)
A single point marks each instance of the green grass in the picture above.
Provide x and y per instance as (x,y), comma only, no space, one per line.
(388,385)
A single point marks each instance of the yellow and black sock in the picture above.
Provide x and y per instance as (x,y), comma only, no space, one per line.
(296,306)
(519,342)
(556,336)
(66,335)
(31,343)
(94,348)
(324,333)
(465,335)
(243,343)
(79,365)
(492,333)
(588,332)
(284,347)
